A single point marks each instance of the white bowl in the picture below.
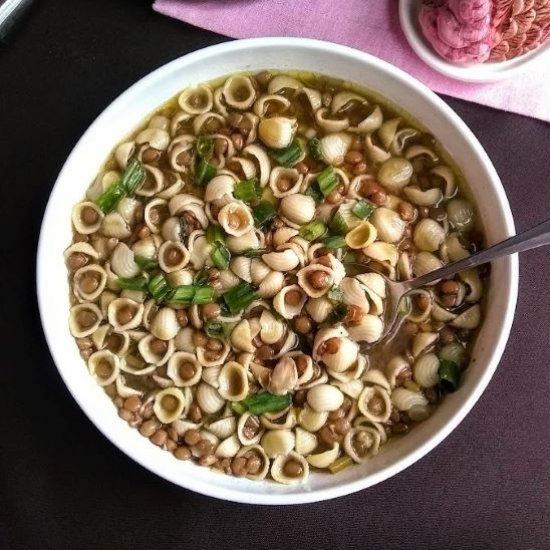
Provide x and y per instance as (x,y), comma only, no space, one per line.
(467,72)
(129,109)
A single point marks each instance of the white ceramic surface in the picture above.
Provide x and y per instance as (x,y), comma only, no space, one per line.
(480,72)
(251,55)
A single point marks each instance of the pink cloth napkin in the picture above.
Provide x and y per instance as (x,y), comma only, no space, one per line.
(369,25)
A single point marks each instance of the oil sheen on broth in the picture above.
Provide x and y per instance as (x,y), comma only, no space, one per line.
(209,292)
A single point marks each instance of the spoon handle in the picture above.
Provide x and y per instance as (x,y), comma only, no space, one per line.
(532,238)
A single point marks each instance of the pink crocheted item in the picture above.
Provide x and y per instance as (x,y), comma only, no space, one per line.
(474,31)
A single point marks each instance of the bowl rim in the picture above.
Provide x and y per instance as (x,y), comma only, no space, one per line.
(315,495)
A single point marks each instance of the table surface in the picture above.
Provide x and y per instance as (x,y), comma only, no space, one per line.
(63,485)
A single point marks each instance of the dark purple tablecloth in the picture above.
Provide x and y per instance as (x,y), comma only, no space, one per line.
(63,485)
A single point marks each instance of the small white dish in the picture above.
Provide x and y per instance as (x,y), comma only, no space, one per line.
(128,110)
(480,72)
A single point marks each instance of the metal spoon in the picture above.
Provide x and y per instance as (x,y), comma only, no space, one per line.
(396,291)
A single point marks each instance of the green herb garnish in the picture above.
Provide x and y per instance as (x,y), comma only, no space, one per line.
(254,252)
(338,225)
(313,230)
(314,148)
(130,181)
(215,234)
(192,294)
(314,192)
(288,156)
(238,298)
(248,190)
(335,294)
(159,288)
(204,172)
(263,214)
(334,242)
(338,314)
(327,181)
(449,375)
(220,256)
(136,283)
(264,402)
(216,329)
(145,264)
(363,209)
(204,147)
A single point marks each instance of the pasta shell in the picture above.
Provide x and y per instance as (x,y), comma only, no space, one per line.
(278,469)
(326,458)
(374,403)
(165,325)
(426,369)
(306,442)
(233,382)
(297,208)
(86,217)
(124,314)
(184,369)
(148,349)
(123,262)
(236,219)
(209,399)
(277,442)
(289,301)
(325,397)
(168,405)
(404,399)
(362,443)
(196,100)
(104,366)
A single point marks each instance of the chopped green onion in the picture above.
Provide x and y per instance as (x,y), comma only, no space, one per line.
(312,230)
(203,295)
(145,264)
(191,294)
(334,242)
(132,176)
(314,148)
(239,297)
(263,214)
(314,192)
(136,283)
(220,256)
(247,190)
(337,314)
(159,288)
(288,156)
(201,278)
(449,375)
(215,234)
(183,294)
(216,329)
(363,209)
(349,257)
(340,464)
(204,147)
(109,199)
(338,224)
(336,294)
(254,252)
(204,172)
(327,181)
(263,402)
(238,408)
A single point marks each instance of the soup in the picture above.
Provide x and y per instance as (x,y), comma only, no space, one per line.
(211,293)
